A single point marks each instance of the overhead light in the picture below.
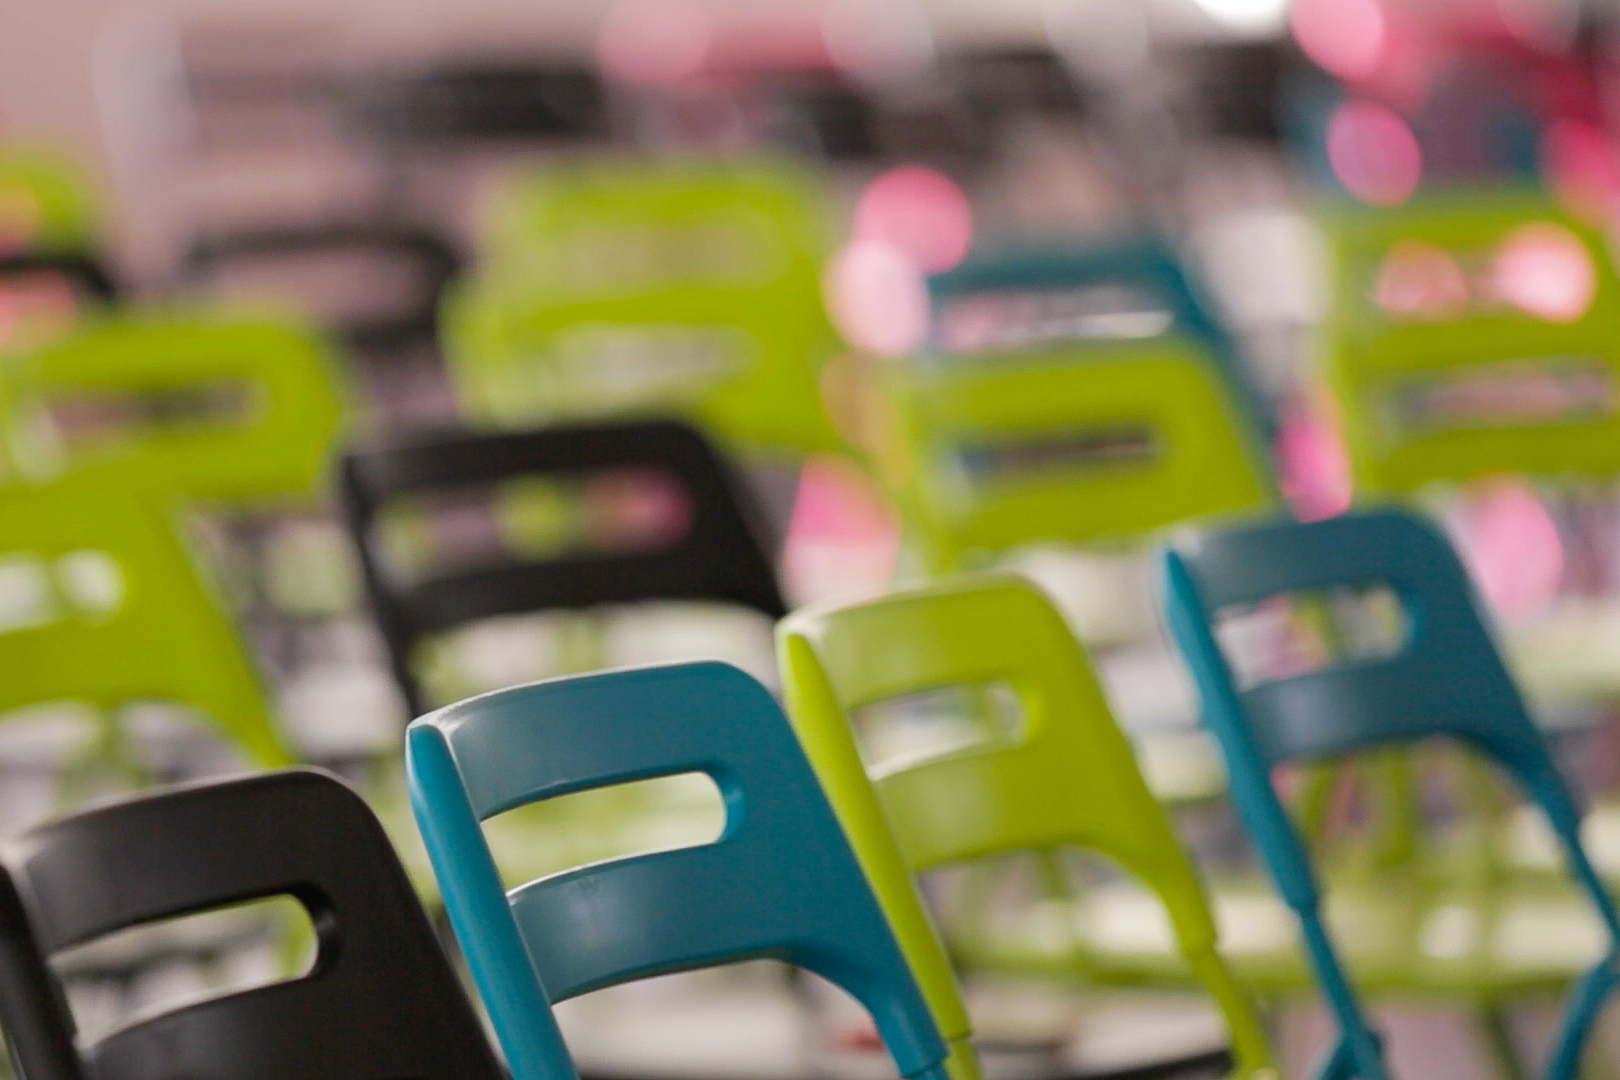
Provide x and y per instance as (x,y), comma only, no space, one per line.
(1248,16)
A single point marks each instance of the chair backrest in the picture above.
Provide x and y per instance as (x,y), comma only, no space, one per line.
(460,103)
(107,607)
(380,1002)
(1058,445)
(1445,678)
(222,409)
(417,262)
(1474,334)
(781,881)
(1136,288)
(46,205)
(646,289)
(718,557)
(83,272)
(1068,779)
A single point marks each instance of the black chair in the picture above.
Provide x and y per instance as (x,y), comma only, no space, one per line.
(380,1003)
(83,271)
(431,262)
(719,556)
(482,101)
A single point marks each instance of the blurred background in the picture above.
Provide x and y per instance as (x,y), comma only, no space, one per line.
(498,216)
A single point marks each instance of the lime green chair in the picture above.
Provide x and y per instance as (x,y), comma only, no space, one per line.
(1067,780)
(225,410)
(637,288)
(1473,334)
(103,606)
(46,205)
(1072,444)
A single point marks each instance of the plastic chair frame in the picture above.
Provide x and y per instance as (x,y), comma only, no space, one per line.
(1446,680)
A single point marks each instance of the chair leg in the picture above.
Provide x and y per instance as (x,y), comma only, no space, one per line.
(1597,1062)
(1495,1021)
(1581,1016)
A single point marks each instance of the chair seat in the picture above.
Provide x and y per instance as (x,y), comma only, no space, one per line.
(1397,938)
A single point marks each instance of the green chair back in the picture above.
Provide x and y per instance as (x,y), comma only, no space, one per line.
(650,289)
(1443,372)
(224,410)
(105,607)
(1069,779)
(1066,444)
(45,205)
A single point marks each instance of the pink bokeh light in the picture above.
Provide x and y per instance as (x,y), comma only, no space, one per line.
(1579,161)
(1544,270)
(1314,465)
(1374,153)
(877,298)
(1345,37)
(842,540)
(919,210)
(1420,281)
(1512,546)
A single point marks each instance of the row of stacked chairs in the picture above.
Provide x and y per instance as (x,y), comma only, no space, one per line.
(980,455)
(814,865)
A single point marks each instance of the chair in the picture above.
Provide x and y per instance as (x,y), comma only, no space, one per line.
(1003,437)
(1454,354)
(1069,780)
(1444,679)
(106,607)
(380,1003)
(224,410)
(83,272)
(419,257)
(718,558)
(650,290)
(466,103)
(1141,270)
(46,206)
(781,881)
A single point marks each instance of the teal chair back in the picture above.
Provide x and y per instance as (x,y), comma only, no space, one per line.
(1445,678)
(781,881)
(1142,268)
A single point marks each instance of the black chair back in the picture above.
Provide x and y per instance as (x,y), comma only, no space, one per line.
(380,1003)
(718,557)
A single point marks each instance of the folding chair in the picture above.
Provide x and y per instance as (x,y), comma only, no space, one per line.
(380,1002)
(781,881)
(717,558)
(1445,678)
(1068,780)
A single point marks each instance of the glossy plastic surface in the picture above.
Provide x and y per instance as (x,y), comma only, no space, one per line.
(1446,680)
(273,439)
(780,882)
(381,1003)
(1200,457)
(118,613)
(719,557)
(1069,779)
(1387,369)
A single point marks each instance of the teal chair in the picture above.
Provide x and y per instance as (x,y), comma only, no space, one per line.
(781,881)
(1444,678)
(1140,274)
